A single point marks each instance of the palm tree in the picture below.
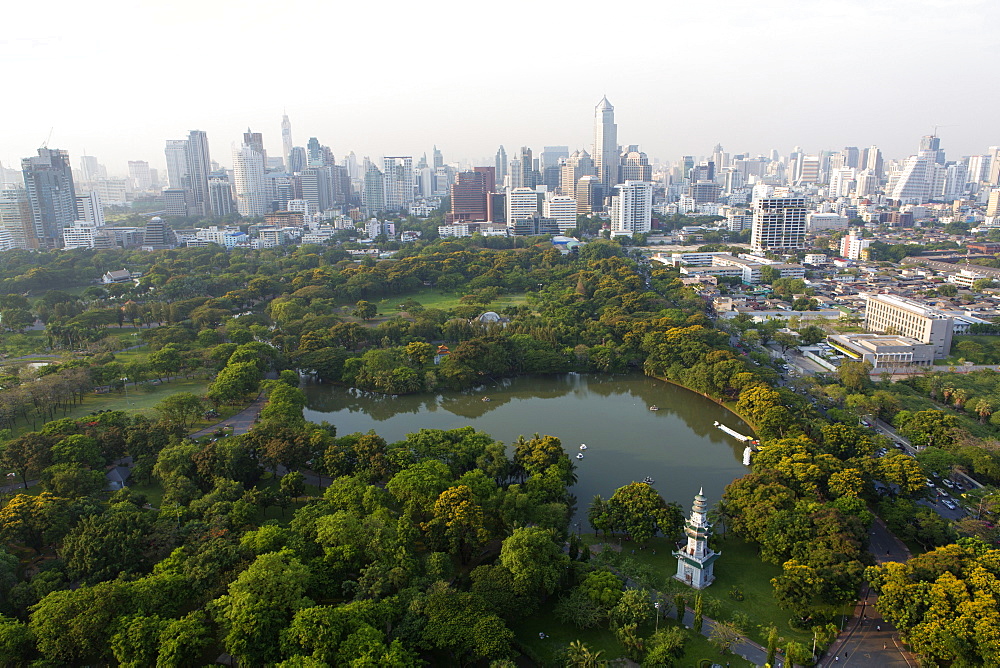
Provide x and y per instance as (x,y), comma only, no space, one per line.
(959,396)
(579,655)
(983,409)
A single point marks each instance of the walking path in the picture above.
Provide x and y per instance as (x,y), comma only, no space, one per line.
(241,423)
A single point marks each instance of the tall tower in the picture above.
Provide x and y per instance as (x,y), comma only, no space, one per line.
(632,208)
(779,223)
(198,166)
(286,141)
(176,154)
(255,140)
(696,561)
(606,144)
(248,177)
(48,179)
(501,166)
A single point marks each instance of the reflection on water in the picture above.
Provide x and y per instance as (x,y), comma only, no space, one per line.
(678,445)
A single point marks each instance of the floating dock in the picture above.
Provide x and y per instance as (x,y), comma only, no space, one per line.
(735,434)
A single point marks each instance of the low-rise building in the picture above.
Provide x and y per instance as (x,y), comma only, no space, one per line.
(885,351)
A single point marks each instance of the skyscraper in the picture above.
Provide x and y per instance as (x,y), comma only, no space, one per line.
(635,166)
(632,208)
(552,156)
(198,166)
(255,140)
(606,144)
(577,165)
(468,196)
(438,158)
(528,174)
(142,177)
(373,195)
(398,174)
(286,142)
(779,223)
(48,179)
(89,209)
(220,193)
(501,166)
(15,216)
(248,175)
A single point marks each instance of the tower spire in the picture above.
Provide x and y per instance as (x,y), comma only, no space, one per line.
(696,560)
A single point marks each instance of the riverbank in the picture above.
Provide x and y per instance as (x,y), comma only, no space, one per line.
(728,405)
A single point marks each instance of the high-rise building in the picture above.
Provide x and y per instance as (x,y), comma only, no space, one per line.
(501,166)
(994,154)
(915,183)
(635,166)
(908,317)
(993,204)
(852,157)
(521,203)
(553,156)
(89,208)
(220,194)
(138,171)
(248,178)
(561,208)
(176,154)
(932,143)
(853,246)
(632,208)
(297,160)
(373,195)
(606,144)
(48,179)
(198,167)
(286,142)
(315,188)
(468,196)
(156,235)
(807,169)
(15,216)
(438,158)
(255,140)
(589,194)
(398,175)
(577,165)
(528,173)
(841,181)
(779,223)
(873,161)
(314,152)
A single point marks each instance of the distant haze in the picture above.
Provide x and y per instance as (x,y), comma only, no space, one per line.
(115,79)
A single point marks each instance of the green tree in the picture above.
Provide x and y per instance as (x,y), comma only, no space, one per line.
(639,511)
(535,559)
(365,310)
(36,521)
(27,455)
(182,408)
(259,604)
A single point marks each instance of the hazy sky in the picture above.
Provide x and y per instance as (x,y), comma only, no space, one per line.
(116,78)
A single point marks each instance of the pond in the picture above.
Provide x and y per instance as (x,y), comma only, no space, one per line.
(678,445)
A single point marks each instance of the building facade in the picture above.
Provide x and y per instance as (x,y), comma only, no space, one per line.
(779,223)
(632,208)
(891,314)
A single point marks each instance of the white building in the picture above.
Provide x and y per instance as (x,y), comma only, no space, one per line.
(229,237)
(779,223)
(908,317)
(632,208)
(842,181)
(521,202)
(113,192)
(456,230)
(562,208)
(79,235)
(89,208)
(248,175)
(397,173)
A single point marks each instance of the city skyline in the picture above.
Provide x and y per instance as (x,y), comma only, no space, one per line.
(753,78)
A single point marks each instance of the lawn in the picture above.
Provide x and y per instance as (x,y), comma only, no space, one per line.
(739,566)
(141,399)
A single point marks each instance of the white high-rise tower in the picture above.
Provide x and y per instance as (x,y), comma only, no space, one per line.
(248,175)
(696,560)
(606,144)
(286,141)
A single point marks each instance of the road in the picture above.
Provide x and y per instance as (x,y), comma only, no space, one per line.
(870,641)
(241,423)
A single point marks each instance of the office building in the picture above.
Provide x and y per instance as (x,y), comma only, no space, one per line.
(842,181)
(156,235)
(576,166)
(993,204)
(779,223)
(468,196)
(113,192)
(175,201)
(501,166)
(15,216)
(91,170)
(139,172)
(635,166)
(632,208)
(48,179)
(79,235)
(89,209)
(198,167)
(589,195)
(606,144)
(286,142)
(521,202)
(248,182)
(914,184)
(373,195)
(562,209)
(818,222)
(255,140)
(176,155)
(891,314)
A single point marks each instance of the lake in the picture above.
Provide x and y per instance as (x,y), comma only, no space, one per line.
(678,445)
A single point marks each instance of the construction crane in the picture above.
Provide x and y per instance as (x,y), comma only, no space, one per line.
(45,144)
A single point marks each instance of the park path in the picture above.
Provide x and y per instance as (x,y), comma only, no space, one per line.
(241,422)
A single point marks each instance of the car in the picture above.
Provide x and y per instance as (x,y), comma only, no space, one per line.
(929,484)
(949,484)
(950,504)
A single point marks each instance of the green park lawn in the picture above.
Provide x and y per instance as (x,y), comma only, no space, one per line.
(440,300)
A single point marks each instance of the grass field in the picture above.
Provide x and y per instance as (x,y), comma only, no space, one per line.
(141,399)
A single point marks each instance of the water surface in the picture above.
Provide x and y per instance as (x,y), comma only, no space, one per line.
(677,446)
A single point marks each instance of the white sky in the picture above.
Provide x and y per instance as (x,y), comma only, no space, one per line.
(116,78)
